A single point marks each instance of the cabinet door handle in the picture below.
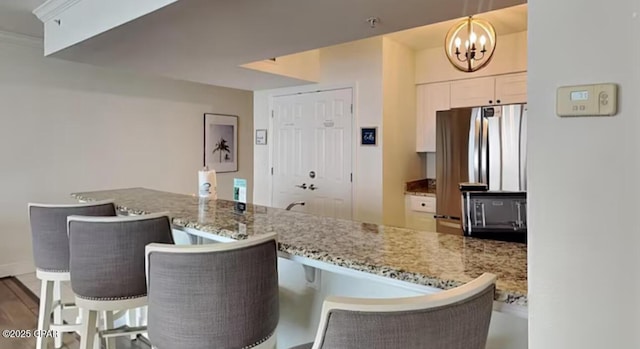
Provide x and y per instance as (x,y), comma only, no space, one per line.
(498,101)
(423,204)
(490,101)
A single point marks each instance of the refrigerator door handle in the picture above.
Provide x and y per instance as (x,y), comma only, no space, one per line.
(475,132)
(439,216)
(484,149)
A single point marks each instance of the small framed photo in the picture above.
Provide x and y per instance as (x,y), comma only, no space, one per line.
(221,142)
(368,136)
(261,137)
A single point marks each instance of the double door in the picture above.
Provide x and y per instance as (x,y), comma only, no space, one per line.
(312,152)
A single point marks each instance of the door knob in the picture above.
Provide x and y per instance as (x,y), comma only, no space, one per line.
(312,187)
(303,186)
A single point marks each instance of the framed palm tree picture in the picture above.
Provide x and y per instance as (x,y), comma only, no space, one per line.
(221,142)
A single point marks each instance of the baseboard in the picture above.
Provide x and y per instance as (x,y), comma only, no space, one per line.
(14,269)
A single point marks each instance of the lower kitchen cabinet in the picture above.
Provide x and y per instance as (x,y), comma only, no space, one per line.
(419,212)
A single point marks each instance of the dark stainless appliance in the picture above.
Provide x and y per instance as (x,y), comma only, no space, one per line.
(478,145)
(495,215)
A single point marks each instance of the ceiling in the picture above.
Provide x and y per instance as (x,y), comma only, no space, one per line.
(206,41)
(505,21)
(16,17)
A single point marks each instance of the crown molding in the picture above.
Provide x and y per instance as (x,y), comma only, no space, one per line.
(21,39)
(53,8)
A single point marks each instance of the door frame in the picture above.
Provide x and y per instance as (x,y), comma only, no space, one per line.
(354,133)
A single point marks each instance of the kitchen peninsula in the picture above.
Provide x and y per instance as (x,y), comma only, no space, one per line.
(422,260)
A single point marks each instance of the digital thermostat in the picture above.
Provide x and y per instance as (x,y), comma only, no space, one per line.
(587,100)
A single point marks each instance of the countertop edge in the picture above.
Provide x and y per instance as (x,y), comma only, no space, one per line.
(419,193)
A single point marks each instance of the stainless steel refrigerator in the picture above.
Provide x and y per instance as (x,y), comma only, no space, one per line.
(477,145)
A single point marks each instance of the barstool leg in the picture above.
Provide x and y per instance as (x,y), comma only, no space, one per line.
(89,322)
(57,311)
(108,325)
(132,321)
(44,313)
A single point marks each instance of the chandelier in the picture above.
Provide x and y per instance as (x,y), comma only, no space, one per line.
(479,39)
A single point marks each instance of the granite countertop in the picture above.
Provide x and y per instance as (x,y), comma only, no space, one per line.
(431,259)
(421,187)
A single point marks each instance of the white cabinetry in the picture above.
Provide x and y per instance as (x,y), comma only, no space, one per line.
(419,212)
(511,88)
(472,92)
(493,90)
(430,99)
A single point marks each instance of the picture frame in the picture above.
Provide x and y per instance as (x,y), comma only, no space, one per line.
(369,136)
(220,142)
(261,137)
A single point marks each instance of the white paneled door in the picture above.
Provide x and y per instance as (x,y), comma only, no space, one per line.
(312,152)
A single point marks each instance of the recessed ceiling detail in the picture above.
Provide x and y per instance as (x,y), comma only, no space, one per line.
(207,41)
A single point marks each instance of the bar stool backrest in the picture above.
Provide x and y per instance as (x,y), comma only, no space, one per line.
(49,231)
(213,296)
(107,254)
(454,319)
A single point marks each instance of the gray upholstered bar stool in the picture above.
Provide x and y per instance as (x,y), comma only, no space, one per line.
(107,265)
(51,257)
(454,319)
(213,296)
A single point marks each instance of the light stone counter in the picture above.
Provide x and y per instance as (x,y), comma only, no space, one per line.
(424,258)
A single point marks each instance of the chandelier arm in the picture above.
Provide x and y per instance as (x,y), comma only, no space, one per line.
(466,57)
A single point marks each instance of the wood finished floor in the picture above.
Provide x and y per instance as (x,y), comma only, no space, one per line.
(19,311)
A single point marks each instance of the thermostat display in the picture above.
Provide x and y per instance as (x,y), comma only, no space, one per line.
(579,95)
(587,100)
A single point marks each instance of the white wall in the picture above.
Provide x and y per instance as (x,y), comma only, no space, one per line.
(357,64)
(510,56)
(400,160)
(583,178)
(69,127)
(430,165)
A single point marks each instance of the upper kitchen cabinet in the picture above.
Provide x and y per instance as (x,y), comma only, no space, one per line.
(511,88)
(472,92)
(431,98)
(498,90)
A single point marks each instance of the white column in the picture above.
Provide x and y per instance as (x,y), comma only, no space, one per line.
(583,178)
